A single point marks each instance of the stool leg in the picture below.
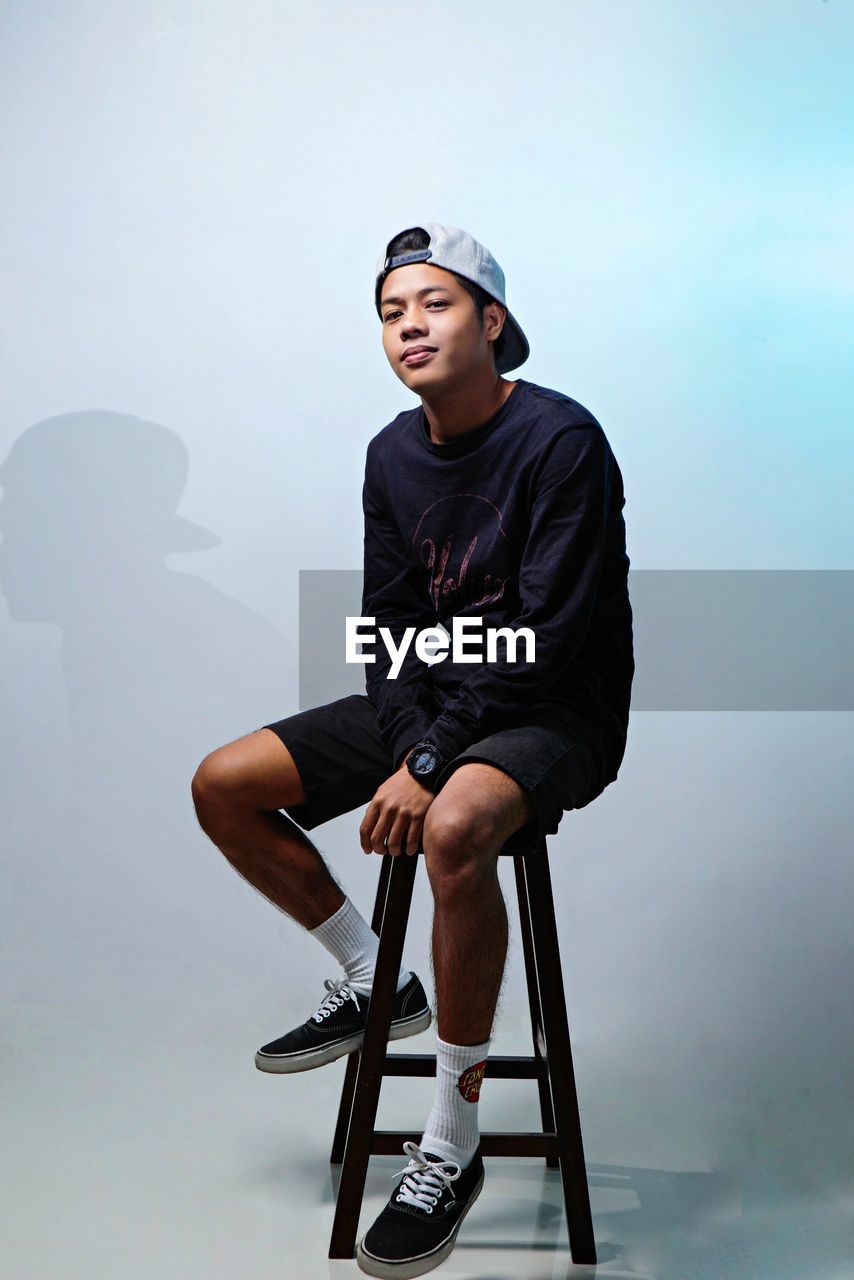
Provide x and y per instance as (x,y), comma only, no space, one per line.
(537,1032)
(360,1135)
(349,1087)
(561,1074)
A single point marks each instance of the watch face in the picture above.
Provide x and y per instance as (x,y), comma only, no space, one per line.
(424,760)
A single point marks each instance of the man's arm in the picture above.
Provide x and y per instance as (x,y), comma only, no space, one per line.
(558,582)
(391,594)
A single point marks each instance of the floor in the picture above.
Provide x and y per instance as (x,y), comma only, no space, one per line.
(145,1143)
(706,959)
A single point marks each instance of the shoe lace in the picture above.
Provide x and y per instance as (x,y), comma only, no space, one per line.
(338,993)
(424,1178)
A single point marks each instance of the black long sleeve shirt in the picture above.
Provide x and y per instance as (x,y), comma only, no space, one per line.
(518,522)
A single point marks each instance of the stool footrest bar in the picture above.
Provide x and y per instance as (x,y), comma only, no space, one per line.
(499,1067)
(389,1142)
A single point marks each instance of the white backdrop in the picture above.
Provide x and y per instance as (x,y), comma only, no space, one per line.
(195,197)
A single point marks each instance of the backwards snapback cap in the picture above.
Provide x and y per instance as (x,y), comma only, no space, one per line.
(456,250)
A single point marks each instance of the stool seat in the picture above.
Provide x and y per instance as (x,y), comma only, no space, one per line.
(560,1142)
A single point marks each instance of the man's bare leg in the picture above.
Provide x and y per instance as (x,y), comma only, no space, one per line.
(237,790)
(465,827)
(473,815)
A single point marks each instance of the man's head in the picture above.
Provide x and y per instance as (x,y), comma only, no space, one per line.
(427,304)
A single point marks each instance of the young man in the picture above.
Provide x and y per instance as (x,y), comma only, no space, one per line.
(496,500)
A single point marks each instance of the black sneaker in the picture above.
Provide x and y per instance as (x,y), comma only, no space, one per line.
(337,1027)
(418,1227)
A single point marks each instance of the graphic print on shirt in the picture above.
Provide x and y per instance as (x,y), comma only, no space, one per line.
(462,545)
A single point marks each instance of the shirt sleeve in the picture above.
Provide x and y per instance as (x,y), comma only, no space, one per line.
(391,594)
(559,577)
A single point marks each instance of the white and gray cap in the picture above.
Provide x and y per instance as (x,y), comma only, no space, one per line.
(456,250)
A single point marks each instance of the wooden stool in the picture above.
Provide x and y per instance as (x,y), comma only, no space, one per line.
(356,1137)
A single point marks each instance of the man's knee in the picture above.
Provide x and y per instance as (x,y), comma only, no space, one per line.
(472,817)
(217,780)
(460,845)
(254,771)
(215,776)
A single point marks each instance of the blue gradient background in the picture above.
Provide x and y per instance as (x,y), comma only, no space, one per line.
(195,195)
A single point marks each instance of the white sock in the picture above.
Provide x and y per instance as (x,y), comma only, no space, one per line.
(351,940)
(452,1130)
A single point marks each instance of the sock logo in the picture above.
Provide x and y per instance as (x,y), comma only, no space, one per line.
(470,1080)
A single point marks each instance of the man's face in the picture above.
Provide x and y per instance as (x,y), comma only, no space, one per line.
(424,306)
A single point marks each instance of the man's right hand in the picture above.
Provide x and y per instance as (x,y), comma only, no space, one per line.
(394,819)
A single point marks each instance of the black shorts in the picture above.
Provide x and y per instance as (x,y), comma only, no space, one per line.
(563,759)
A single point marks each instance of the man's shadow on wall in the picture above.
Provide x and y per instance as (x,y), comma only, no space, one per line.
(158,667)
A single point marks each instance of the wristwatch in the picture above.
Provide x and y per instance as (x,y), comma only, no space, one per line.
(425,763)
